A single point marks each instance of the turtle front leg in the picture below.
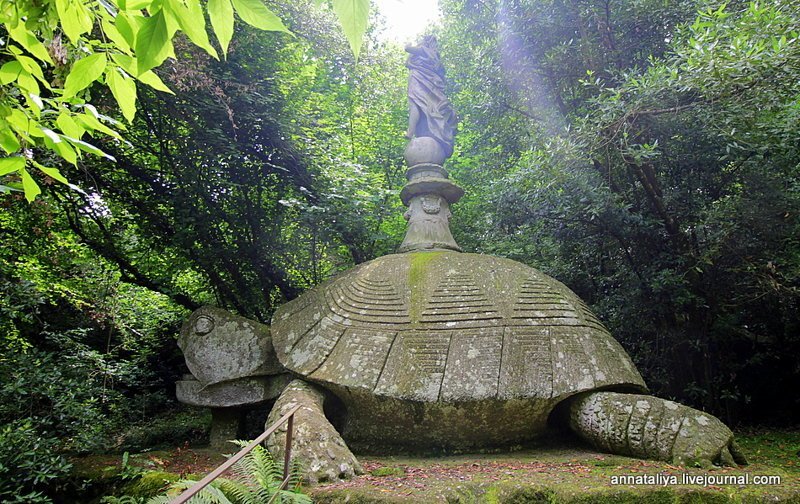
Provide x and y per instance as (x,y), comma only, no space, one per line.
(322,452)
(648,427)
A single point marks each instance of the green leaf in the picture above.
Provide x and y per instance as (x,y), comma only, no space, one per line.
(154,81)
(83,73)
(33,68)
(8,140)
(53,142)
(124,91)
(9,187)
(87,147)
(90,123)
(29,41)
(75,19)
(135,4)
(255,13)
(128,26)
(113,33)
(50,135)
(97,115)
(353,16)
(28,83)
(52,173)
(35,103)
(129,64)
(21,124)
(29,185)
(10,71)
(69,126)
(153,43)
(11,164)
(191,20)
(221,14)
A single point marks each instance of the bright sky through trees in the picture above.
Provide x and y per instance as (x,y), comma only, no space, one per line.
(406,19)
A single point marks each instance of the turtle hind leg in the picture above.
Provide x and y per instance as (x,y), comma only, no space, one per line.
(648,427)
(321,451)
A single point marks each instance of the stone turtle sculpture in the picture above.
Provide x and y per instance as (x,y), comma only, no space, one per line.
(446,350)
(437,349)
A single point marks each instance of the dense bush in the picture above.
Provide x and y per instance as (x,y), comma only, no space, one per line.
(171,429)
(30,466)
(55,393)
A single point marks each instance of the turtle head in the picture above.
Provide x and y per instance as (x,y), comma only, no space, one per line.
(219,346)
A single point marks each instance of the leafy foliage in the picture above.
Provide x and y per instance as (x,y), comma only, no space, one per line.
(45,109)
(256,479)
(285,178)
(30,467)
(642,154)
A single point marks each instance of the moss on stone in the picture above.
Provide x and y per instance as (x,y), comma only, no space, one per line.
(355,497)
(416,278)
(506,494)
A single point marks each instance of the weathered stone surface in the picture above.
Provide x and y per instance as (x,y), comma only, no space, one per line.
(225,424)
(315,443)
(241,392)
(219,346)
(428,218)
(649,427)
(424,150)
(439,342)
(376,422)
(430,112)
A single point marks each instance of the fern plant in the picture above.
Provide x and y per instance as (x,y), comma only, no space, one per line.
(255,480)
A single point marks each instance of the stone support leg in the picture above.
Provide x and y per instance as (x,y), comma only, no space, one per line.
(322,452)
(224,427)
(648,427)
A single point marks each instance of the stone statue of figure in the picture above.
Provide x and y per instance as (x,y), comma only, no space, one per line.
(430,112)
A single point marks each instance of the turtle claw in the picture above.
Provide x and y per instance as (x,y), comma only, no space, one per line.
(730,456)
(703,440)
(648,427)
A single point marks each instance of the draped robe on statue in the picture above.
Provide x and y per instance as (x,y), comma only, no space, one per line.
(437,119)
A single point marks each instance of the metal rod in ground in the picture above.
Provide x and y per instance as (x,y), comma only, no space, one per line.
(278,491)
(287,456)
(216,473)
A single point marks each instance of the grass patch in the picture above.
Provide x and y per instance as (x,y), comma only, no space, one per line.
(388,471)
(773,448)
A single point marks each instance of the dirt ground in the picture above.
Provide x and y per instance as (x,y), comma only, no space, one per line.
(555,471)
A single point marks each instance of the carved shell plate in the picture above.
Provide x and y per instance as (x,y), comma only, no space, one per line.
(450,327)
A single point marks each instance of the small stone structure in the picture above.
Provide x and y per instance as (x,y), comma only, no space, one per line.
(233,367)
(432,348)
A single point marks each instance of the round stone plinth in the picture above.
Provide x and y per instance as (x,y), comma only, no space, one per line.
(425,185)
(424,150)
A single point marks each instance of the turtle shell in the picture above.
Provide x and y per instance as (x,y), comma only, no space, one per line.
(449,327)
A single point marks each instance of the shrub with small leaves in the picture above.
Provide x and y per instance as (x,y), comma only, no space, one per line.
(30,467)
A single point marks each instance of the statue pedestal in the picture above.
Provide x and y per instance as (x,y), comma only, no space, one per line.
(428,196)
